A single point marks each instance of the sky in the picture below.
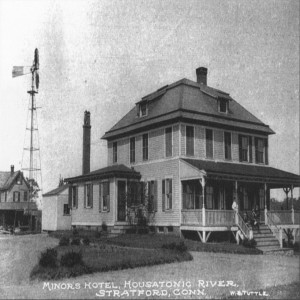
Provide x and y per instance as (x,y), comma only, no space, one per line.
(104,56)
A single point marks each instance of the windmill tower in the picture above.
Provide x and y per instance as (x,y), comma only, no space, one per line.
(31,162)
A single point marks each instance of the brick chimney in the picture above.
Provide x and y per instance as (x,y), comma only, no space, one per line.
(201,75)
(12,169)
(86,148)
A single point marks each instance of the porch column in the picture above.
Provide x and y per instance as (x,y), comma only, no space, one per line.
(237,200)
(293,213)
(202,182)
(286,190)
(265,201)
(280,237)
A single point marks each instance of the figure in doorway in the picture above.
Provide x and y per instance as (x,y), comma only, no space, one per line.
(255,217)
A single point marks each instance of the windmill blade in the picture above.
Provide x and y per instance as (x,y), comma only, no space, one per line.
(37,80)
(36,59)
(20,70)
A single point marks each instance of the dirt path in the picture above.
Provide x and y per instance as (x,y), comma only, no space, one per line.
(247,272)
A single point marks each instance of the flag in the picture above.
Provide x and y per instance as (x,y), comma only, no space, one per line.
(19,71)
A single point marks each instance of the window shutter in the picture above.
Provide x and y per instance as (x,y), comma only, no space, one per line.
(108,196)
(250,149)
(100,198)
(170,194)
(139,195)
(84,198)
(14,195)
(91,194)
(76,196)
(256,150)
(240,148)
(155,195)
(70,197)
(266,152)
(19,194)
(163,195)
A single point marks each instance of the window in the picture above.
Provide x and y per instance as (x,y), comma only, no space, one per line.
(168,140)
(16,197)
(167,194)
(74,197)
(132,150)
(191,194)
(209,143)
(115,152)
(189,140)
(25,196)
(66,210)
(152,196)
(88,195)
(105,201)
(145,146)
(143,109)
(261,150)
(245,148)
(227,145)
(223,105)
(246,204)
(209,196)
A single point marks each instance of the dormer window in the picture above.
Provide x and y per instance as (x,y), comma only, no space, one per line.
(223,105)
(143,109)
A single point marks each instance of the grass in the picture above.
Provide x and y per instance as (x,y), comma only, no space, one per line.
(102,257)
(155,241)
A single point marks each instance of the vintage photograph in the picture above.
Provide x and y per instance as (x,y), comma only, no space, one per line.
(149,149)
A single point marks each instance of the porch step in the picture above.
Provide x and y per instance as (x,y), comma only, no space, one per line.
(266,243)
(276,250)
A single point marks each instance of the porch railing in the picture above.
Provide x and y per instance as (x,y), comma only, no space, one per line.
(243,226)
(280,217)
(207,217)
(219,217)
(296,217)
(277,232)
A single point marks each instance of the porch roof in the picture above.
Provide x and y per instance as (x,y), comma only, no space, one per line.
(276,178)
(119,171)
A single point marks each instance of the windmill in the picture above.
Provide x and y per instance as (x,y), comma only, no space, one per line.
(32,127)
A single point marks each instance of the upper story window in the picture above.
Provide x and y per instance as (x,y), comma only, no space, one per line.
(223,105)
(227,145)
(88,195)
(189,140)
(145,146)
(132,150)
(115,152)
(168,139)
(209,143)
(16,197)
(261,150)
(143,109)
(245,148)
(25,196)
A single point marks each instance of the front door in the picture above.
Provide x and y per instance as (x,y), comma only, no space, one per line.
(122,201)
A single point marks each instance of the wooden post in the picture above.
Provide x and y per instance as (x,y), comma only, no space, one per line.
(202,182)
(265,202)
(237,201)
(286,190)
(280,237)
(293,213)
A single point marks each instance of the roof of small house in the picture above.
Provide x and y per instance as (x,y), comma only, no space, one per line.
(56,191)
(108,172)
(267,174)
(7,179)
(190,101)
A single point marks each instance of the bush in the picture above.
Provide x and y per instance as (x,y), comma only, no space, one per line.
(249,243)
(48,258)
(75,232)
(181,247)
(75,241)
(64,241)
(71,259)
(104,226)
(86,241)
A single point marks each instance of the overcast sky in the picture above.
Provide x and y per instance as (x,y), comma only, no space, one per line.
(103,56)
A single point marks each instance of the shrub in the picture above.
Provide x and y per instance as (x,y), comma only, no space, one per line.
(71,259)
(249,243)
(181,247)
(64,241)
(75,241)
(86,241)
(48,258)
(104,226)
(75,232)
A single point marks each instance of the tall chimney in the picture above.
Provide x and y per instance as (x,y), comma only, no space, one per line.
(86,149)
(12,169)
(202,75)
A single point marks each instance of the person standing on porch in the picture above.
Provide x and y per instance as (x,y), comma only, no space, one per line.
(235,206)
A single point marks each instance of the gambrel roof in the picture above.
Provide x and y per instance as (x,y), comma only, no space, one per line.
(188,101)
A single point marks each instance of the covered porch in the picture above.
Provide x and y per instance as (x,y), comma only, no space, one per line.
(209,188)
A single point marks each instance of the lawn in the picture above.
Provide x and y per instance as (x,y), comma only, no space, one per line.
(102,257)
